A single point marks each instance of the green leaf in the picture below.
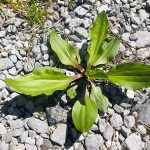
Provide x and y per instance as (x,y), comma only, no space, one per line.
(109,51)
(131,75)
(67,54)
(96,74)
(71,93)
(98,33)
(44,80)
(100,100)
(84,114)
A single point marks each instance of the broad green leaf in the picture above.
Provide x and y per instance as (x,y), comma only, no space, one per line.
(71,93)
(98,33)
(131,75)
(100,100)
(96,74)
(44,80)
(109,51)
(84,114)
(67,54)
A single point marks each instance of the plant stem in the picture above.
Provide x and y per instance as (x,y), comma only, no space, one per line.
(80,68)
(76,77)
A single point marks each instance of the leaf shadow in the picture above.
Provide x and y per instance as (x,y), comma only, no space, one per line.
(23,107)
(115,94)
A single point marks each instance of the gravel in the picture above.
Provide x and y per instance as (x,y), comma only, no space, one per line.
(56,115)
(2,129)
(59,135)
(141,129)
(144,113)
(16,124)
(116,121)
(5,64)
(38,125)
(2,85)
(133,142)
(93,142)
(129,121)
(81,33)
(34,122)
(102,125)
(143,39)
(108,133)
(80,11)
(30,143)
(2,34)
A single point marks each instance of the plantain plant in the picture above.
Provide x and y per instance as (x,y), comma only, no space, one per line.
(101,50)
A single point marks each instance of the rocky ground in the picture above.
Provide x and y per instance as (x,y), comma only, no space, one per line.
(44,123)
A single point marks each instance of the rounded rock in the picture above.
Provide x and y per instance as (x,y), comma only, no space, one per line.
(129,121)
(116,121)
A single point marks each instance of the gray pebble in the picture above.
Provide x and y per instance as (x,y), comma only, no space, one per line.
(4,146)
(48,24)
(2,34)
(56,115)
(143,38)
(74,38)
(102,125)
(8,136)
(13,58)
(16,124)
(108,133)
(11,29)
(5,64)
(144,112)
(39,141)
(47,143)
(2,85)
(30,143)
(44,49)
(38,125)
(125,131)
(59,135)
(80,11)
(75,23)
(93,142)
(118,108)
(141,129)
(4,54)
(12,71)
(116,121)
(81,33)
(129,121)
(133,142)
(148,144)
(9,22)
(19,65)
(24,136)
(2,129)
(36,50)
(18,132)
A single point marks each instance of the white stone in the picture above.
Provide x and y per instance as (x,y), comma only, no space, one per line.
(2,129)
(143,39)
(30,143)
(2,85)
(59,135)
(141,129)
(2,34)
(130,94)
(133,142)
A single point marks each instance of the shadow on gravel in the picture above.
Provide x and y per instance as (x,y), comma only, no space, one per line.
(23,106)
(115,94)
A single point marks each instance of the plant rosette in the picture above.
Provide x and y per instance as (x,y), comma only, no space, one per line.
(101,50)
